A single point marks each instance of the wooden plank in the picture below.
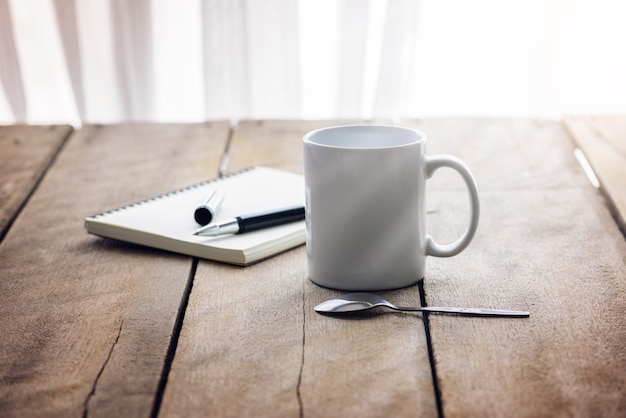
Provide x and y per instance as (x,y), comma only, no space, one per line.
(86,321)
(602,138)
(279,144)
(545,243)
(25,154)
(252,345)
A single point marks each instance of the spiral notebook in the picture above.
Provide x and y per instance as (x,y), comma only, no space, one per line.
(167,221)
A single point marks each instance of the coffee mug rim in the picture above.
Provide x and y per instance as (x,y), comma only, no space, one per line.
(420,136)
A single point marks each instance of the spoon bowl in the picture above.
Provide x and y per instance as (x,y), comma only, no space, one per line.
(354,302)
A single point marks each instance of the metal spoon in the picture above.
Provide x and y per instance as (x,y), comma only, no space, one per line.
(361,301)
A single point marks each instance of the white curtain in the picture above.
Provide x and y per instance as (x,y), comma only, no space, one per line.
(99,61)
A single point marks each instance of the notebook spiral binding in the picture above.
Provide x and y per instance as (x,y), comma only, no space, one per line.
(174,192)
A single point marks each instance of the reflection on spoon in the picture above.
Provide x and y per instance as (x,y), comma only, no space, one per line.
(361,301)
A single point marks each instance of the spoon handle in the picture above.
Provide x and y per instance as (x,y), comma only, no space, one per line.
(470,311)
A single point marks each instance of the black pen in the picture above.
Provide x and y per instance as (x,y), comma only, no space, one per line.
(253,222)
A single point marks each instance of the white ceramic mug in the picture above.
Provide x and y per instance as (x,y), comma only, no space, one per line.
(365,210)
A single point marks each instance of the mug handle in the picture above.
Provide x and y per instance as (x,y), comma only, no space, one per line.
(433,164)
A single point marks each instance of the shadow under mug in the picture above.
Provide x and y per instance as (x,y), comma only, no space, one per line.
(365,206)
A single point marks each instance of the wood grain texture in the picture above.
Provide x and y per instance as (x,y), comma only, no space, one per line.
(602,138)
(252,345)
(25,154)
(87,322)
(547,244)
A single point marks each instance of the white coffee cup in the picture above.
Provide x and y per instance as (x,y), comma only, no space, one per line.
(365,209)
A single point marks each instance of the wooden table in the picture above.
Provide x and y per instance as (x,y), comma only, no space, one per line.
(94,327)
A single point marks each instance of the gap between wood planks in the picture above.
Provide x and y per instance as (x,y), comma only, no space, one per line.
(223,167)
(431,354)
(171,350)
(4,231)
(595,182)
(182,309)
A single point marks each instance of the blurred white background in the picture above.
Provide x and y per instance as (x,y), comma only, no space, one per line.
(100,61)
